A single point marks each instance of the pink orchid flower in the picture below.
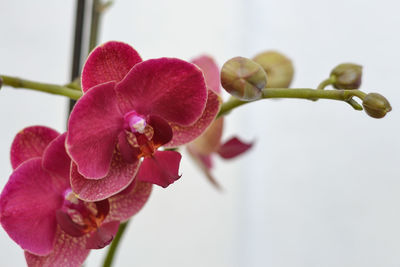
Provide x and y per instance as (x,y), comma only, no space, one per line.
(40,212)
(209,143)
(130,108)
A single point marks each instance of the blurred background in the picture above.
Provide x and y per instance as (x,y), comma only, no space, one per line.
(320,187)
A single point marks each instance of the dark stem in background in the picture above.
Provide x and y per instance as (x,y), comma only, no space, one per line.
(78,37)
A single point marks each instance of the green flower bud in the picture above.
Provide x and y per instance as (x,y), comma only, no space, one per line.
(278,67)
(1,82)
(243,78)
(376,105)
(347,76)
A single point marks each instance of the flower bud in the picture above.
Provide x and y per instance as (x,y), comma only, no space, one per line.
(347,76)
(243,78)
(278,67)
(376,105)
(1,82)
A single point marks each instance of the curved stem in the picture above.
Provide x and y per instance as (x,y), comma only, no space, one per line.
(114,245)
(302,93)
(43,87)
(325,83)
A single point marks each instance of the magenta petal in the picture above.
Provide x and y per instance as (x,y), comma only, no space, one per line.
(162,131)
(233,148)
(211,72)
(93,129)
(108,62)
(167,87)
(56,160)
(129,202)
(103,235)
(68,251)
(28,207)
(160,169)
(68,225)
(128,153)
(30,143)
(186,134)
(121,174)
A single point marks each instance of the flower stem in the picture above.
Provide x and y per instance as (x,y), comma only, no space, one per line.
(114,245)
(325,83)
(43,87)
(302,93)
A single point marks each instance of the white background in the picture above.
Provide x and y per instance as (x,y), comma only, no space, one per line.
(320,188)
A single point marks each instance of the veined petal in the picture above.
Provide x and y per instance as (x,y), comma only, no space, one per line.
(119,177)
(56,160)
(211,72)
(93,129)
(103,235)
(167,87)
(186,134)
(129,202)
(108,62)
(210,140)
(68,251)
(28,207)
(233,148)
(30,143)
(160,169)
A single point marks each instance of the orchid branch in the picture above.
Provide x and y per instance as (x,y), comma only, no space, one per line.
(43,87)
(301,93)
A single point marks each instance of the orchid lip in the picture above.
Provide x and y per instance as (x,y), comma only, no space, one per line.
(77,217)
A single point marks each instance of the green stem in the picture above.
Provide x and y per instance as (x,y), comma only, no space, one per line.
(114,245)
(95,24)
(302,93)
(43,87)
(325,83)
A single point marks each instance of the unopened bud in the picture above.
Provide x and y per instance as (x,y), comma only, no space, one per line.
(376,105)
(278,67)
(243,78)
(347,76)
(1,82)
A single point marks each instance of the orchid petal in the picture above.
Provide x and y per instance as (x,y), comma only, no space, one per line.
(103,235)
(211,72)
(233,148)
(162,131)
(28,205)
(68,225)
(205,164)
(93,129)
(121,174)
(29,143)
(128,152)
(167,87)
(160,169)
(129,202)
(108,62)
(68,251)
(56,160)
(210,140)
(186,134)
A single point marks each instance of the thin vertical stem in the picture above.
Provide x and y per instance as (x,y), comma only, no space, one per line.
(114,245)
(78,37)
